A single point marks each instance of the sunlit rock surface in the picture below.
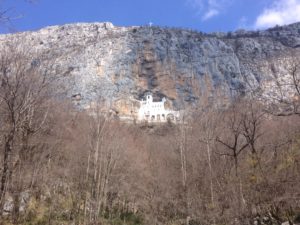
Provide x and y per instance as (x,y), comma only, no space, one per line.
(100,62)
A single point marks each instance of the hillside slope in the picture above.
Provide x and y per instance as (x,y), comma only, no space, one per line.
(120,64)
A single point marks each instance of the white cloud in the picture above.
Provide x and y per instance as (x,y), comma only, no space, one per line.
(209,8)
(279,13)
(210,13)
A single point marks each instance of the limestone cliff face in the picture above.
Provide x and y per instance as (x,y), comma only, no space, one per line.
(121,64)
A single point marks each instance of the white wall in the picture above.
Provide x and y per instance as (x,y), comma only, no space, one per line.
(153,111)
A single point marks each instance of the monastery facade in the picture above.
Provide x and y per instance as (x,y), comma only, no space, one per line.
(151,111)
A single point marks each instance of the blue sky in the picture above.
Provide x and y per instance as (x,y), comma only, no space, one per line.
(202,15)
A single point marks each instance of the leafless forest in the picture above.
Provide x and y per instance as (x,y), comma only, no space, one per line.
(60,165)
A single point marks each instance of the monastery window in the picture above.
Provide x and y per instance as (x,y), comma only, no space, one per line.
(153,117)
(158,117)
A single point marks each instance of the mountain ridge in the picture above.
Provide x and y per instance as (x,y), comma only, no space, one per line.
(188,68)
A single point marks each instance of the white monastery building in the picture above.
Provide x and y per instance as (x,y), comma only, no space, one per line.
(151,111)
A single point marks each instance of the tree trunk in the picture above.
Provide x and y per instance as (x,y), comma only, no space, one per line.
(6,168)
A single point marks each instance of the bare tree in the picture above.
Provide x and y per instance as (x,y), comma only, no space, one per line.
(207,125)
(8,13)
(233,140)
(105,145)
(285,92)
(25,102)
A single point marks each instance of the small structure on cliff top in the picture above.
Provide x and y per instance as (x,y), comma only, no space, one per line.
(151,111)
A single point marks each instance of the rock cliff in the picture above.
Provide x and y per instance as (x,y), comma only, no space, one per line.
(120,64)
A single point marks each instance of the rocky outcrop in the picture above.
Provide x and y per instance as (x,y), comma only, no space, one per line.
(188,68)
